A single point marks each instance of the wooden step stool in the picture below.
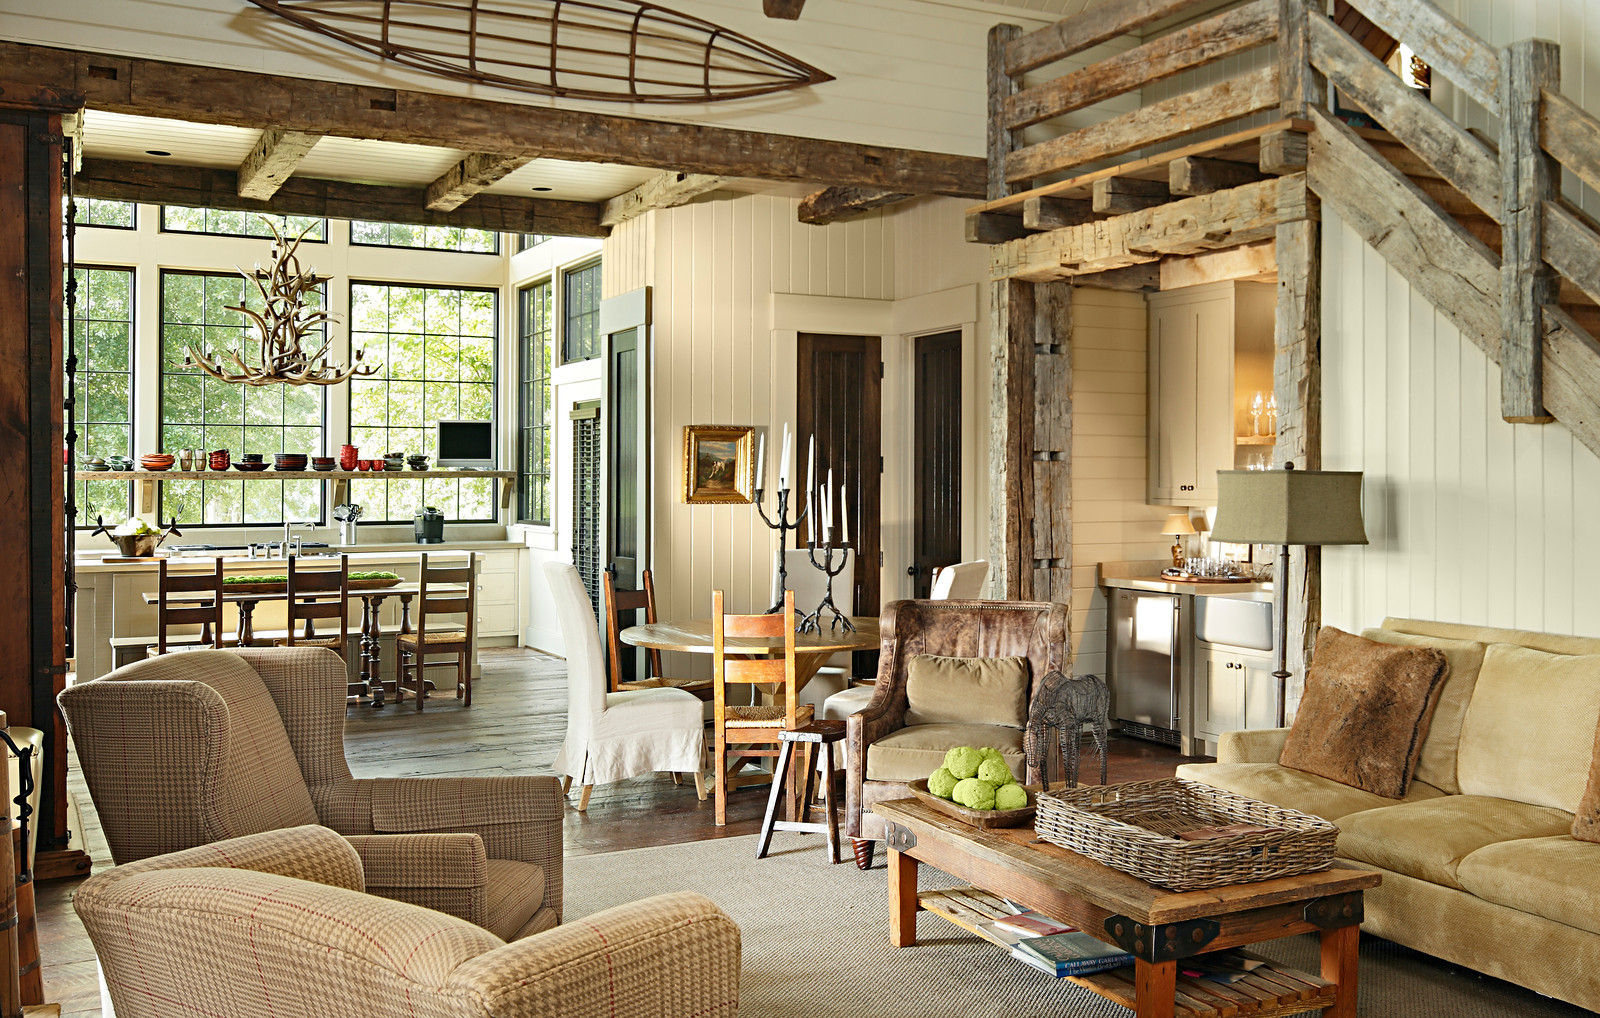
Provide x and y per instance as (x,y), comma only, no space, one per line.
(818,733)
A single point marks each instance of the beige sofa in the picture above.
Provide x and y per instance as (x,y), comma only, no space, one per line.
(1478,861)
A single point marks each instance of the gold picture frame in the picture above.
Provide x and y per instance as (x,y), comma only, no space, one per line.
(718,464)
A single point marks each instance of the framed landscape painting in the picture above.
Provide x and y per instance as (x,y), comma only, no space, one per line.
(718,464)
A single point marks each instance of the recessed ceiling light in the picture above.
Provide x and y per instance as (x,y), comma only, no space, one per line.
(156,152)
(544,189)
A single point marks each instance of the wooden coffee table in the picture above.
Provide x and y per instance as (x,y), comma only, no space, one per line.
(1157,926)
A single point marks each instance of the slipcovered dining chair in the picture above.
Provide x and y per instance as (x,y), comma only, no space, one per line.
(615,736)
(188,749)
(282,923)
(891,741)
(961,581)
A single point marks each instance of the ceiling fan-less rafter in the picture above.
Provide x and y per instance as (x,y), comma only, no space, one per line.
(606,50)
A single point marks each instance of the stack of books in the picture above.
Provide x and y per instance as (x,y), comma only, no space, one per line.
(1068,952)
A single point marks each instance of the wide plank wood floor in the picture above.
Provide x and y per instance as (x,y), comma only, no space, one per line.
(515,726)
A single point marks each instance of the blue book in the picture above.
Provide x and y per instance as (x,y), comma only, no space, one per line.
(1070,954)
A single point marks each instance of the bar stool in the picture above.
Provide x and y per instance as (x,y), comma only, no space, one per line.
(818,733)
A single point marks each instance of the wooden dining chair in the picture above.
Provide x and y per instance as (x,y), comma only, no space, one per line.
(744,733)
(318,594)
(620,602)
(435,637)
(187,613)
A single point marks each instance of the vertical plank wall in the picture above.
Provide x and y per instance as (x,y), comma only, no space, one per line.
(1110,519)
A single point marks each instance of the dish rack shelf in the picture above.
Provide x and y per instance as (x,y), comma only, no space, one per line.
(149,479)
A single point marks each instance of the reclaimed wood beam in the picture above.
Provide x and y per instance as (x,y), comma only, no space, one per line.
(1207,222)
(466,178)
(1529,179)
(1573,247)
(273,161)
(207,187)
(1417,123)
(1198,175)
(833,204)
(218,95)
(1051,453)
(1297,385)
(1571,134)
(999,140)
(1247,261)
(1444,43)
(1204,107)
(1012,324)
(1282,152)
(1116,195)
(663,191)
(1141,277)
(1299,84)
(994,228)
(1098,24)
(1198,45)
(1044,213)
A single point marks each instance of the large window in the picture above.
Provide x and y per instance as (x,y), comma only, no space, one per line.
(527,240)
(436,350)
(121,215)
(180,219)
(201,412)
(580,339)
(537,431)
(102,339)
(434,238)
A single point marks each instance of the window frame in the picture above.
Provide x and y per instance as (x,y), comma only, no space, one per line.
(162,227)
(350,225)
(524,381)
(78,393)
(161,417)
(76,225)
(565,274)
(494,391)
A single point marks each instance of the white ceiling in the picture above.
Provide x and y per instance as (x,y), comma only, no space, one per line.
(116,136)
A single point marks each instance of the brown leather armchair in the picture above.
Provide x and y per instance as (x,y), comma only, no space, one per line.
(1035,630)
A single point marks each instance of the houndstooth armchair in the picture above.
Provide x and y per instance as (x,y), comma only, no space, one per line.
(278,924)
(188,749)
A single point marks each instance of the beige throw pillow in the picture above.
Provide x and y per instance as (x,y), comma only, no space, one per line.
(967,690)
(1529,732)
(1365,713)
(1463,659)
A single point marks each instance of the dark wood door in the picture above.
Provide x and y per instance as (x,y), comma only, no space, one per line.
(838,399)
(936,457)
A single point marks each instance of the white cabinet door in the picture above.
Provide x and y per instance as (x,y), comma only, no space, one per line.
(1173,353)
(1219,695)
(1213,399)
(1260,694)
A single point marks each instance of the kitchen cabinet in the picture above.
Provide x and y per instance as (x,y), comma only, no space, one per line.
(499,604)
(1210,352)
(1232,692)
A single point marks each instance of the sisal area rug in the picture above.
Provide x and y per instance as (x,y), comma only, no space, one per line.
(815,942)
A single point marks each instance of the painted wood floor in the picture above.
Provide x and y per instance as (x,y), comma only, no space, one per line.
(514,726)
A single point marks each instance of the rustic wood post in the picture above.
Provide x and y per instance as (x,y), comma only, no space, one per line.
(1299,84)
(1001,88)
(1052,442)
(1528,176)
(1011,418)
(1297,382)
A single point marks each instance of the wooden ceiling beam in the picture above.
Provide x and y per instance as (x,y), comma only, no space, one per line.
(466,178)
(663,191)
(205,187)
(833,204)
(228,96)
(273,161)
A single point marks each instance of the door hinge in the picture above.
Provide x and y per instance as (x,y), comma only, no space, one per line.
(880,464)
(880,370)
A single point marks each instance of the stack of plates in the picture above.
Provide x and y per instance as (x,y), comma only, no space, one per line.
(156,461)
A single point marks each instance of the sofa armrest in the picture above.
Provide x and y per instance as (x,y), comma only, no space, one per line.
(1262,746)
(444,872)
(674,953)
(518,817)
(309,853)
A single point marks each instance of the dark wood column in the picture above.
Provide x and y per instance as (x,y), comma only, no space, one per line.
(33,600)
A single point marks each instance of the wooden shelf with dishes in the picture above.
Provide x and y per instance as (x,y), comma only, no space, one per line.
(148,479)
(1256,440)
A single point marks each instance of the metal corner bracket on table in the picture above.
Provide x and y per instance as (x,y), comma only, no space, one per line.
(900,839)
(1336,910)
(1162,941)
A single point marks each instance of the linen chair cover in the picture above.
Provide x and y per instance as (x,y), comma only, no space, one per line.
(962,581)
(188,749)
(279,924)
(614,736)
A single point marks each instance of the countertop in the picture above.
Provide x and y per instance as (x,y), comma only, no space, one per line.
(92,560)
(1147,576)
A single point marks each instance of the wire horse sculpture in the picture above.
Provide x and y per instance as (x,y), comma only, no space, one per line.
(605,50)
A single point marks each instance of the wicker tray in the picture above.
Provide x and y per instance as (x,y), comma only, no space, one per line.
(1133,827)
(985,818)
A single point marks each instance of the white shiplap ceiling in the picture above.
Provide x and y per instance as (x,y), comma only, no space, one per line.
(116,136)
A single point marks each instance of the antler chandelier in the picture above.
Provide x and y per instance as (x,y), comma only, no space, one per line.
(283,325)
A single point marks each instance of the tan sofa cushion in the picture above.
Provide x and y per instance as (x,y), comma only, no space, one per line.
(967,690)
(1463,658)
(1530,727)
(1556,877)
(1365,713)
(1586,825)
(1428,839)
(918,750)
(1284,786)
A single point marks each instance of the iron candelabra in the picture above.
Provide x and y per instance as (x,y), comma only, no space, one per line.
(812,623)
(782,524)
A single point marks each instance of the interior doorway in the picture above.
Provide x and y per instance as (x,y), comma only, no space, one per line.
(838,399)
(935,457)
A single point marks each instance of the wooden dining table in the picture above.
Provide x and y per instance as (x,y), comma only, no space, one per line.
(370,682)
(811,650)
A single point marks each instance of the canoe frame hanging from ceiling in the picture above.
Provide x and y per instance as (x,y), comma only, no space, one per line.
(603,50)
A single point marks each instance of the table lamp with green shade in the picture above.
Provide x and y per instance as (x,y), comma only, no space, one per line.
(1285,507)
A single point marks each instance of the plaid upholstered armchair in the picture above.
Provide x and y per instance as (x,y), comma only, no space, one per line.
(278,924)
(188,749)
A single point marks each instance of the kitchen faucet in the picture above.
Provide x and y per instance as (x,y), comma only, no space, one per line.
(290,545)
